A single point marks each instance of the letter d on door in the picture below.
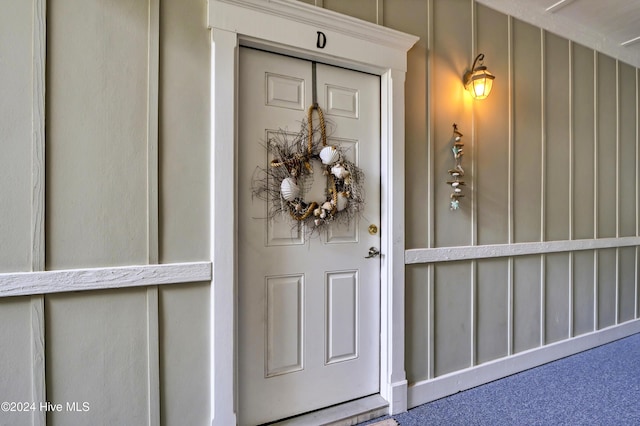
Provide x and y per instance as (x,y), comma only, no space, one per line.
(322,40)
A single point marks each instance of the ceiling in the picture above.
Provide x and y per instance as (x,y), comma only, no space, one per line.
(617,20)
(609,26)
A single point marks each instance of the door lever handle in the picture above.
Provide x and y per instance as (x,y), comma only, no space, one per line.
(373,252)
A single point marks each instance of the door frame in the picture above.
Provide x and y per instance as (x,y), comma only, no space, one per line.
(292,27)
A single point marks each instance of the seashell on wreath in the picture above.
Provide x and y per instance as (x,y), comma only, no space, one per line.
(342,201)
(327,205)
(289,189)
(329,155)
(339,171)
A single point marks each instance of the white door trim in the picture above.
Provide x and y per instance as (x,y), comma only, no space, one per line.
(291,27)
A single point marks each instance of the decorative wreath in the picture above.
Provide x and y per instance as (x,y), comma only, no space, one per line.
(290,175)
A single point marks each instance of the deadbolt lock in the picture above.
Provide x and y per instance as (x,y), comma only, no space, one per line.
(373,229)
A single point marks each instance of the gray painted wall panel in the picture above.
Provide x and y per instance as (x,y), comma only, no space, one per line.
(607,283)
(583,130)
(557,138)
(184,354)
(492,335)
(492,132)
(557,286)
(627,153)
(452,56)
(417,313)
(626,298)
(96,352)
(607,146)
(184,131)
(583,291)
(15,136)
(363,9)
(452,323)
(96,133)
(526,303)
(527,132)
(411,18)
(15,359)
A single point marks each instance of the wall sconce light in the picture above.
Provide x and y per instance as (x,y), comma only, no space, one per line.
(478,81)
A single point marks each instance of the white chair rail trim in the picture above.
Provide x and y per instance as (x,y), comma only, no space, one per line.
(33,283)
(448,254)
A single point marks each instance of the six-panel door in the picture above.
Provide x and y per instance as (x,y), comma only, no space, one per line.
(308,307)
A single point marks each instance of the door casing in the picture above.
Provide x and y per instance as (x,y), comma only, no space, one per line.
(293,28)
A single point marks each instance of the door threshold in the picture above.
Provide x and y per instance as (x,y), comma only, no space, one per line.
(347,414)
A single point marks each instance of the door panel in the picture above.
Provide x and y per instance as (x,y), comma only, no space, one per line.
(285,312)
(342,316)
(308,307)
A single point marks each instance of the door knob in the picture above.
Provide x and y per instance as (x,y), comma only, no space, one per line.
(373,252)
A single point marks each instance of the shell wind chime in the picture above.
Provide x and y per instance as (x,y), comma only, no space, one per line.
(457,172)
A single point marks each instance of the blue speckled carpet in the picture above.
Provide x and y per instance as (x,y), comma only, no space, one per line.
(598,387)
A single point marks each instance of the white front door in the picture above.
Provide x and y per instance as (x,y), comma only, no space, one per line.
(308,307)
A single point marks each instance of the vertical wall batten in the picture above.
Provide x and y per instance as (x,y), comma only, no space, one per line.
(543,136)
(38,380)
(595,189)
(618,118)
(39,40)
(474,313)
(617,309)
(637,221)
(431,322)
(618,171)
(473,344)
(543,304)
(571,332)
(38,135)
(543,183)
(431,198)
(571,185)
(431,212)
(510,179)
(595,143)
(153,340)
(474,148)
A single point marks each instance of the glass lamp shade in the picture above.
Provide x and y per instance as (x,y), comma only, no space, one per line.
(479,82)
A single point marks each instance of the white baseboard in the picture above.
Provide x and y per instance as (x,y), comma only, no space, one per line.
(398,397)
(430,390)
